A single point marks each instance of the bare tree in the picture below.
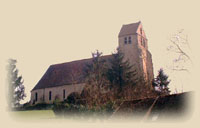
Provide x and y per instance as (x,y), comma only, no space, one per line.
(180,46)
(96,82)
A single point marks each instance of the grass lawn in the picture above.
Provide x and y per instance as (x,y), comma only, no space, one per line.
(33,114)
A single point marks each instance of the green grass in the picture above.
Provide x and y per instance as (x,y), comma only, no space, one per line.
(33,114)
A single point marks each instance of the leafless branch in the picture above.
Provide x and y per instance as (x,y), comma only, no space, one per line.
(179,40)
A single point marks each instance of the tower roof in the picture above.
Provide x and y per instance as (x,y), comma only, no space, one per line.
(129,29)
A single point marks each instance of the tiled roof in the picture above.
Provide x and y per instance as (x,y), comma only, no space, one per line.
(129,29)
(65,73)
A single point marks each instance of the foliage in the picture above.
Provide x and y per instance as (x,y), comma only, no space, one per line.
(117,81)
(105,89)
(96,80)
(38,106)
(16,89)
(121,73)
(79,110)
(73,98)
(95,72)
(161,82)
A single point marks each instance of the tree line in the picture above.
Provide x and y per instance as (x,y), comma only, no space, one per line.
(106,81)
(118,80)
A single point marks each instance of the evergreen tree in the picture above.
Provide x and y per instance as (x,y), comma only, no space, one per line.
(161,82)
(121,73)
(16,89)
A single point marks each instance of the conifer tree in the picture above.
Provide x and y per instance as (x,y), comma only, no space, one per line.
(16,89)
(121,73)
(161,82)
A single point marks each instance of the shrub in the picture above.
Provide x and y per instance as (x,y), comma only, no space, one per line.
(73,98)
(78,110)
(39,106)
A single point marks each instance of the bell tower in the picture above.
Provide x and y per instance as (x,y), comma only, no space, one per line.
(133,44)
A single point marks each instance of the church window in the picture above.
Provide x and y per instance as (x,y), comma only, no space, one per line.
(49,95)
(36,96)
(129,40)
(144,43)
(125,40)
(141,36)
(64,94)
(141,41)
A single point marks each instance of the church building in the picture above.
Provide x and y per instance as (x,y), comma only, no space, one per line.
(60,80)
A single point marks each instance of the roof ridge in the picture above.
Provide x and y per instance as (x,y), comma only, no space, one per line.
(76,60)
(133,23)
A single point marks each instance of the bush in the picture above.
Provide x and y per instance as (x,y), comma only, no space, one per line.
(74,106)
(79,110)
(39,106)
(73,98)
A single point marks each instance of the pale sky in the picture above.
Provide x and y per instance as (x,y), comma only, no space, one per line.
(41,33)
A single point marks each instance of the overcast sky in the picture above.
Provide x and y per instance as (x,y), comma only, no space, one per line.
(39,34)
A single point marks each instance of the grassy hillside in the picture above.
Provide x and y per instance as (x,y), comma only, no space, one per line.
(33,114)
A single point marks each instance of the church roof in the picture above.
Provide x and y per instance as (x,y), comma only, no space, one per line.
(129,29)
(65,73)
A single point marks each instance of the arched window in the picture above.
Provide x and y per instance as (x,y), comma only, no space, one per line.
(63,94)
(125,40)
(49,95)
(141,37)
(129,40)
(36,96)
(144,43)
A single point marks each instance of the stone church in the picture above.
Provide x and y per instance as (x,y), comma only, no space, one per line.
(60,80)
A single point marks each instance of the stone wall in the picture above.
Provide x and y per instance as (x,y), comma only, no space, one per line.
(56,92)
(150,67)
(131,51)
